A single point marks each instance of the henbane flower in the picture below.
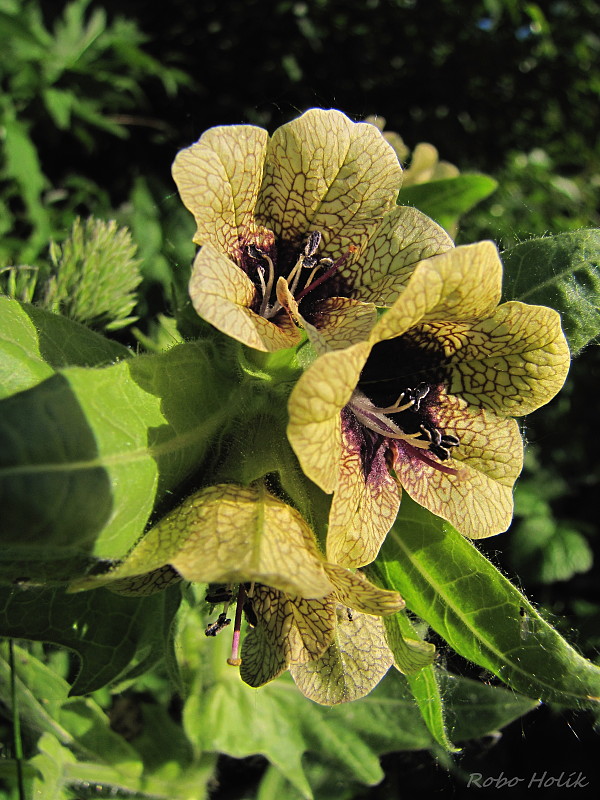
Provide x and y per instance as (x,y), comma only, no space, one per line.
(427,404)
(307,215)
(261,550)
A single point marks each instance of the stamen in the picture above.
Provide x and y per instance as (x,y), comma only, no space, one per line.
(267,292)
(218,594)
(436,437)
(396,408)
(426,432)
(261,278)
(373,417)
(312,244)
(449,439)
(322,278)
(419,394)
(266,288)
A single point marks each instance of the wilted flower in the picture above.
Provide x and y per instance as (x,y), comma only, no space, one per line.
(427,404)
(307,217)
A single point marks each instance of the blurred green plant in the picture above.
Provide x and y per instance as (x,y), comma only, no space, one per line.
(85,76)
(534,198)
(91,278)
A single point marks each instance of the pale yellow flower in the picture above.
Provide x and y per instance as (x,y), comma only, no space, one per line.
(427,404)
(303,224)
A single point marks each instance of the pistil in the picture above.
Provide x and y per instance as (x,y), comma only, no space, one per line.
(234,660)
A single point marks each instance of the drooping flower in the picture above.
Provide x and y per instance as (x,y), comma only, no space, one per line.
(229,535)
(308,215)
(427,404)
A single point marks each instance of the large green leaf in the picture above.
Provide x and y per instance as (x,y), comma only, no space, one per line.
(34,343)
(450,584)
(115,637)
(87,452)
(562,272)
(447,200)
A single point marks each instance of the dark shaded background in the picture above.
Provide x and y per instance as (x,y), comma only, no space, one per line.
(477,79)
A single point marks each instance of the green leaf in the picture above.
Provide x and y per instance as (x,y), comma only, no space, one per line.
(115,637)
(86,453)
(50,763)
(445,201)
(59,103)
(476,709)
(562,272)
(413,657)
(34,343)
(446,581)
(425,688)
(79,748)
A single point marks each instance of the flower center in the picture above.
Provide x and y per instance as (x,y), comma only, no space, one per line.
(426,437)
(306,260)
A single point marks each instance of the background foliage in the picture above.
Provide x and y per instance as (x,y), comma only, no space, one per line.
(96,97)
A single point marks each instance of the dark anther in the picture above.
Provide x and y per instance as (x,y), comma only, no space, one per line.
(441,452)
(449,440)
(312,244)
(218,594)
(442,444)
(310,261)
(255,252)
(326,263)
(432,433)
(349,614)
(419,394)
(217,627)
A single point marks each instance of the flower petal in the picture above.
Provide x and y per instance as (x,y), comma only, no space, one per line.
(314,428)
(147,584)
(512,362)
(353,590)
(261,661)
(324,172)
(352,665)
(230,534)
(364,505)
(338,321)
(461,284)
(222,294)
(219,179)
(289,630)
(478,500)
(405,237)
